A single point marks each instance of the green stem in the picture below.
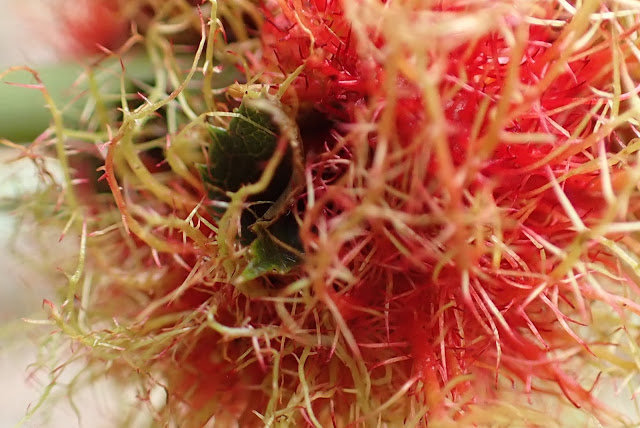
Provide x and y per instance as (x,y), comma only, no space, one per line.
(24,113)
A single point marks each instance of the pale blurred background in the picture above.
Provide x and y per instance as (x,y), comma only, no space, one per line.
(23,27)
(19,294)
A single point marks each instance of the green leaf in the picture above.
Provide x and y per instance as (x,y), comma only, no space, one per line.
(237,152)
(238,156)
(277,249)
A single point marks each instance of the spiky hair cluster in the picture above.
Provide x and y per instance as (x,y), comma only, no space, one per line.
(450,239)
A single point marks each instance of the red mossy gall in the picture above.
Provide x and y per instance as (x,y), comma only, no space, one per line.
(92,25)
(453,309)
(467,197)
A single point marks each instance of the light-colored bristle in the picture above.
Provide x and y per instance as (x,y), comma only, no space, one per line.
(467,211)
